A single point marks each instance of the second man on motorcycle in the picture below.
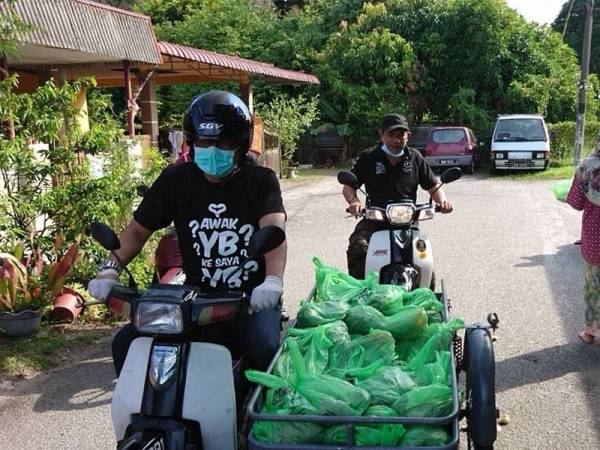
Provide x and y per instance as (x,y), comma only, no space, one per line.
(391,172)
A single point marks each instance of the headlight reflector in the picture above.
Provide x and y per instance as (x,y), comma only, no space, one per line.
(374,214)
(400,214)
(160,318)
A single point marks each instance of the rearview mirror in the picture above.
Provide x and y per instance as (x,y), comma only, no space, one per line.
(105,236)
(347,178)
(450,175)
(265,240)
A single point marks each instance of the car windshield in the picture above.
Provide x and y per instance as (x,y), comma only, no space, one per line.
(512,130)
(454,136)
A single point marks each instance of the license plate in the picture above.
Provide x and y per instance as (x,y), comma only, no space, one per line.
(447,162)
(519,155)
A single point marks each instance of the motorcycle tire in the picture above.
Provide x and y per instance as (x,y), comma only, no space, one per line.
(432,283)
(481,389)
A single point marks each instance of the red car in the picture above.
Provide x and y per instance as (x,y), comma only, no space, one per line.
(452,146)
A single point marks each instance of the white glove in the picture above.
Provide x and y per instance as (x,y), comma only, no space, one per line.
(266,295)
(100,287)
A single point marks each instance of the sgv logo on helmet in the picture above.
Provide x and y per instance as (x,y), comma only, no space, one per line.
(210,126)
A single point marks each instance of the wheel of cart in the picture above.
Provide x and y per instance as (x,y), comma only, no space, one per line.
(480,393)
(475,358)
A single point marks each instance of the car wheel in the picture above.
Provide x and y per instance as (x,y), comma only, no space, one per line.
(493,170)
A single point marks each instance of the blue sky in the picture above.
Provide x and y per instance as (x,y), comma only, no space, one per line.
(541,11)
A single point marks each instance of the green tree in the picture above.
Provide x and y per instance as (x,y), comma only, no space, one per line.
(371,78)
(574,18)
(289,117)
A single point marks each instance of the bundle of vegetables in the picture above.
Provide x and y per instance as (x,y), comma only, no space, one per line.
(361,348)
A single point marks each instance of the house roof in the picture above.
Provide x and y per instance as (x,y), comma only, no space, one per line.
(213,66)
(83,31)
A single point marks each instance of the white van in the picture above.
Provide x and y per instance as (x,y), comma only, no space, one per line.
(520,142)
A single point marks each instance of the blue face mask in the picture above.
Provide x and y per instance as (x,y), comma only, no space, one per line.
(389,152)
(214,160)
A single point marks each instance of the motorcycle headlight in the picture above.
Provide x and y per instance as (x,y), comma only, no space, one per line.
(400,214)
(160,318)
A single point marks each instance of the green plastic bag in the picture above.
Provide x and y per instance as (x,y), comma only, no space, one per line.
(288,432)
(434,372)
(407,323)
(362,318)
(335,285)
(327,394)
(425,436)
(314,345)
(380,411)
(427,401)
(407,349)
(423,298)
(387,385)
(561,189)
(312,314)
(368,352)
(387,435)
(386,298)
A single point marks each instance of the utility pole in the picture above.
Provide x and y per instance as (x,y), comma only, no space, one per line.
(585,67)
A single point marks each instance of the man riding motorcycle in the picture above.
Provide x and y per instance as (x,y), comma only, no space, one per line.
(216,202)
(391,172)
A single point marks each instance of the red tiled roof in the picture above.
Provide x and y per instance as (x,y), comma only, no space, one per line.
(233,62)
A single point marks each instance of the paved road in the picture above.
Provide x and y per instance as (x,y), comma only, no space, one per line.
(507,248)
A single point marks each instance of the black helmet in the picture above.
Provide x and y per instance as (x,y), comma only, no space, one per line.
(218,114)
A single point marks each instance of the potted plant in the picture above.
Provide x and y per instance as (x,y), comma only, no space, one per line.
(29,284)
(21,295)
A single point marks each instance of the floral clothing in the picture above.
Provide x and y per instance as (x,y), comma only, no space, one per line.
(591,296)
(590,222)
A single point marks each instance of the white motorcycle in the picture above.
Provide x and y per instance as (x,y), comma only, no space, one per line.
(400,252)
(175,393)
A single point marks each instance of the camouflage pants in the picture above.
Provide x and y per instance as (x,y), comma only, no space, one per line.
(358,244)
(591,296)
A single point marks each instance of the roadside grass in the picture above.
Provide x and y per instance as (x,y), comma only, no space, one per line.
(52,346)
(551,173)
(315,173)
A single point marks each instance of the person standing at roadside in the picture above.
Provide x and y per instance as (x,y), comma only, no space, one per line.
(584,195)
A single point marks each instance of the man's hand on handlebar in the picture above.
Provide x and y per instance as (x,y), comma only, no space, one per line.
(100,287)
(355,208)
(444,207)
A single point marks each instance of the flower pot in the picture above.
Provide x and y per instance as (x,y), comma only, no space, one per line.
(21,324)
(67,305)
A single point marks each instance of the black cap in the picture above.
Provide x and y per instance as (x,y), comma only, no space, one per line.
(393,122)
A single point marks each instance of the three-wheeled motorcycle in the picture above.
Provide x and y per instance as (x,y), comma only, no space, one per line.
(402,255)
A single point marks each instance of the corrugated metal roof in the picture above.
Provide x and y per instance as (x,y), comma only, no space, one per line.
(233,62)
(90,27)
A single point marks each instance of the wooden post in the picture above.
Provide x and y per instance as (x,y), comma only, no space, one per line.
(148,105)
(246,90)
(131,110)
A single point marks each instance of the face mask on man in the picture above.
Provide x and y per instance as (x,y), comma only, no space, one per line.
(214,160)
(386,149)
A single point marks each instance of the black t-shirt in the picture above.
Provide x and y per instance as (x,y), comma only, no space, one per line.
(386,183)
(214,222)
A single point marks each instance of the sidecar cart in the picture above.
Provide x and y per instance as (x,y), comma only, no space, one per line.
(476,403)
